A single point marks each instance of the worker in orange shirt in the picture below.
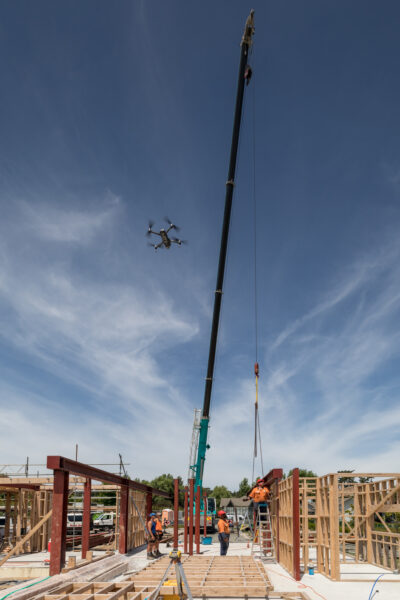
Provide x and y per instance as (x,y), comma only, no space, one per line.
(159,533)
(259,494)
(223,532)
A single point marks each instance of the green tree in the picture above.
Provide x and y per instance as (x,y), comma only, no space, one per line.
(346,479)
(303,473)
(220,491)
(165,482)
(244,488)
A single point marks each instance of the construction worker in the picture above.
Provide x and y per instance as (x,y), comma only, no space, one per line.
(259,495)
(159,533)
(151,543)
(223,532)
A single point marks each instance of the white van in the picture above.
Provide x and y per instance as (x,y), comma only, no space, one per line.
(74,522)
(105,521)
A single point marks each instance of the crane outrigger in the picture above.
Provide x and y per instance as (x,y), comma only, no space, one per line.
(244,77)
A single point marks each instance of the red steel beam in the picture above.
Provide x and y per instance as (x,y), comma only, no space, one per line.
(197,524)
(191,507)
(59,521)
(176,512)
(205,514)
(272,476)
(77,468)
(87,499)
(296,525)
(123,520)
(185,522)
(149,505)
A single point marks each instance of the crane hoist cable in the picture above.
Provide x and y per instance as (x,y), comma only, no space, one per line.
(257,427)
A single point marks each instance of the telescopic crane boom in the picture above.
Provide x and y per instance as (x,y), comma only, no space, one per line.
(244,77)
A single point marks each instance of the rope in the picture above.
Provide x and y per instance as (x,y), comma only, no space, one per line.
(261,456)
(257,427)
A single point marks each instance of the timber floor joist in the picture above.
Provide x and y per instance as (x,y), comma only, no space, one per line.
(208,577)
(214,576)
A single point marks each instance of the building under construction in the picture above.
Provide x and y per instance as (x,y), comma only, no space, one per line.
(317,537)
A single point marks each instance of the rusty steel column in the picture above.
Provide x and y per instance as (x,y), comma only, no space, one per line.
(123,520)
(176,512)
(149,505)
(87,501)
(191,507)
(197,524)
(296,525)
(185,522)
(205,514)
(59,521)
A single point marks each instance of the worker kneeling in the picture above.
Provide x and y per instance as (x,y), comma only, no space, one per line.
(223,532)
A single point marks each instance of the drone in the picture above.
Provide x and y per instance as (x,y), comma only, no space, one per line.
(166,241)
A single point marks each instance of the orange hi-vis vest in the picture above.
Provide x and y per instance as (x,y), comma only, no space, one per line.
(158,525)
(223,526)
(259,494)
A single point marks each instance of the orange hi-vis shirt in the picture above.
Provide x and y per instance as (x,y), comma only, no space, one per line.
(158,525)
(223,526)
(259,494)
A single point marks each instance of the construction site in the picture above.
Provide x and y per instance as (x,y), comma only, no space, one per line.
(84,532)
(317,540)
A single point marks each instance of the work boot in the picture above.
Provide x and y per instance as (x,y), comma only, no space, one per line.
(150,556)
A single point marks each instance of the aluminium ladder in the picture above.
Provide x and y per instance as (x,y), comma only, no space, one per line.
(263,539)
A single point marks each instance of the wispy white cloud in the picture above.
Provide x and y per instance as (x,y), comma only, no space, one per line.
(100,335)
(329,393)
(49,222)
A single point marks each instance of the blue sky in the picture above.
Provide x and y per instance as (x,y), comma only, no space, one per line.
(112,114)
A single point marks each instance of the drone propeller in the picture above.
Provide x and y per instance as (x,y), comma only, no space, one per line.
(171,224)
(148,232)
(178,241)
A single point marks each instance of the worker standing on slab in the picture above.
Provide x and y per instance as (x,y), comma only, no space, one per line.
(159,533)
(151,544)
(223,532)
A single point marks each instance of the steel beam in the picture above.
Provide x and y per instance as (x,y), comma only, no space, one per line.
(77,468)
(191,507)
(87,499)
(123,520)
(59,522)
(205,514)
(149,505)
(176,512)
(197,524)
(185,522)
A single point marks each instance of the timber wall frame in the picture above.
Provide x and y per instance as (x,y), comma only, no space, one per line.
(129,536)
(25,506)
(336,521)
